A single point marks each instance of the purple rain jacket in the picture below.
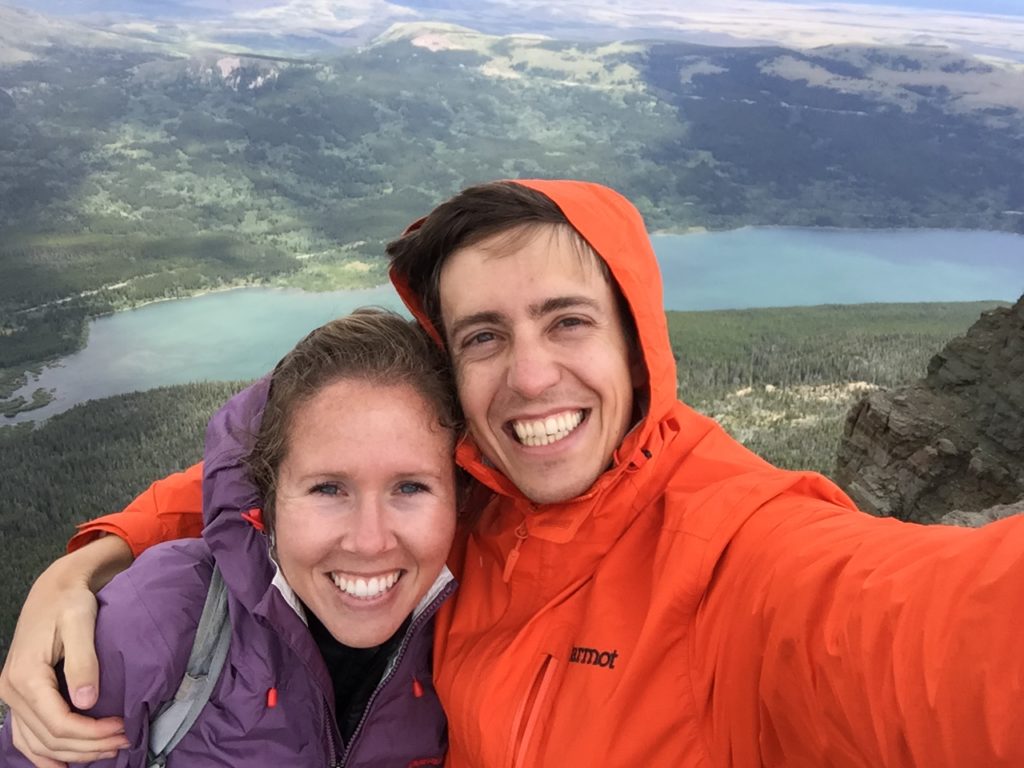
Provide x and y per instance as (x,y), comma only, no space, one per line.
(147,621)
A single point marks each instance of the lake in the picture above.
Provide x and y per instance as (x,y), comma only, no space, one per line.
(240,334)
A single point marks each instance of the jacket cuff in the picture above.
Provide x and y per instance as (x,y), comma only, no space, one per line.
(88,532)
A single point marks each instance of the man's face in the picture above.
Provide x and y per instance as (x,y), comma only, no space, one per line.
(541,359)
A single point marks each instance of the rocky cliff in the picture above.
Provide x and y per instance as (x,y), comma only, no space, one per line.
(951,447)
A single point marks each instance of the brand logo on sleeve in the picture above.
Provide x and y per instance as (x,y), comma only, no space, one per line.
(593,657)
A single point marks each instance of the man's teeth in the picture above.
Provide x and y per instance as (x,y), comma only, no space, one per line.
(365,588)
(549,430)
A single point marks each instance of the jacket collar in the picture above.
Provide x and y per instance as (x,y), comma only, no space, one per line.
(280,583)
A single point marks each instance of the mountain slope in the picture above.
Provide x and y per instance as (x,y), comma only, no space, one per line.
(131,170)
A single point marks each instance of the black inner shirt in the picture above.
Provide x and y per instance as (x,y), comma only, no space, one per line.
(355,672)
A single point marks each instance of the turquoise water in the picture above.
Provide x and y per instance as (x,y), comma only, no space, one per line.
(782,267)
(237,334)
(241,334)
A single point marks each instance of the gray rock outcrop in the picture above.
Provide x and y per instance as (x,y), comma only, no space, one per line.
(976,519)
(954,441)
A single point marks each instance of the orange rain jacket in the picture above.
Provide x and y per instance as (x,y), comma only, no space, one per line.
(698,607)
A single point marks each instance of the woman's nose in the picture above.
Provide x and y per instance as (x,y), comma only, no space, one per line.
(369,533)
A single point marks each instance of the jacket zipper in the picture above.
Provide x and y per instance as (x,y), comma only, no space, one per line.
(413,629)
(524,724)
(329,730)
(513,556)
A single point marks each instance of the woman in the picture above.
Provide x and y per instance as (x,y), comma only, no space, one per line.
(331,538)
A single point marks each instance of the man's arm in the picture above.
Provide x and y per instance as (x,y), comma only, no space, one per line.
(171,508)
(832,638)
(59,615)
(143,642)
(57,620)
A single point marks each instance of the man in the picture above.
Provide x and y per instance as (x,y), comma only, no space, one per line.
(637,589)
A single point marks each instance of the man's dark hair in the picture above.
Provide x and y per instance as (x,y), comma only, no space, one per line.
(473,215)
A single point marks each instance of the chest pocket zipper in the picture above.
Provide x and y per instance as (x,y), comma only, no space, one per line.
(527,717)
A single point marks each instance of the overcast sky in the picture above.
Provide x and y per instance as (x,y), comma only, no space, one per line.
(203,8)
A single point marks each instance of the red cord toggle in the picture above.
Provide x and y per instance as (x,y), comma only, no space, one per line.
(417,688)
(255,518)
(271,698)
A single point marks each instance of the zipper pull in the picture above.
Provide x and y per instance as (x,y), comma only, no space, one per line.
(513,556)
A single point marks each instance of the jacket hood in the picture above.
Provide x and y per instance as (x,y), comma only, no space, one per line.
(615,230)
(232,507)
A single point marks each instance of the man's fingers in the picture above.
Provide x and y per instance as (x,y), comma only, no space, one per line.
(51,728)
(43,757)
(76,629)
(84,696)
(58,619)
(27,744)
(70,731)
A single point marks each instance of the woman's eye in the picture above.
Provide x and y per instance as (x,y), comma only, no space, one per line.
(325,489)
(410,488)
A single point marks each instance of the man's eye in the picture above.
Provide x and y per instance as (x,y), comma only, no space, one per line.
(571,322)
(325,489)
(482,337)
(411,488)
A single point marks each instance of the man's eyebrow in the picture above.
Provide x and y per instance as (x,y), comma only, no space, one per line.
(546,307)
(558,303)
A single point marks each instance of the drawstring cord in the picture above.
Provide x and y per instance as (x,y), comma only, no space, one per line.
(513,556)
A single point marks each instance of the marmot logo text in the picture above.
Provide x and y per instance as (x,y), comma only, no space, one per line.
(594,657)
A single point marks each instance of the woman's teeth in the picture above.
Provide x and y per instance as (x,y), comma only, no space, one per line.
(365,588)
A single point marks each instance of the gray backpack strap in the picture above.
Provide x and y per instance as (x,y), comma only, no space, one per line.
(209,651)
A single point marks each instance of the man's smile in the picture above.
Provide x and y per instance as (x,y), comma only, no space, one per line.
(548,430)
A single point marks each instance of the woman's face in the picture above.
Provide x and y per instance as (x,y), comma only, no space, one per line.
(365,507)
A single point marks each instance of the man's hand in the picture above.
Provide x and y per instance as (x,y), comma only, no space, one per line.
(58,621)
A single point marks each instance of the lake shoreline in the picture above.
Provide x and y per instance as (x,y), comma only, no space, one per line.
(238,330)
(702,230)
(33,367)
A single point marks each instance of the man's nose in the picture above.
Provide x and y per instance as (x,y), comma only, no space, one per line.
(532,369)
(370,532)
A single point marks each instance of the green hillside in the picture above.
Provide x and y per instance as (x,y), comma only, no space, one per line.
(91,460)
(132,170)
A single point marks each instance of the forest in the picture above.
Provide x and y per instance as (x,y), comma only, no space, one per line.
(780,380)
